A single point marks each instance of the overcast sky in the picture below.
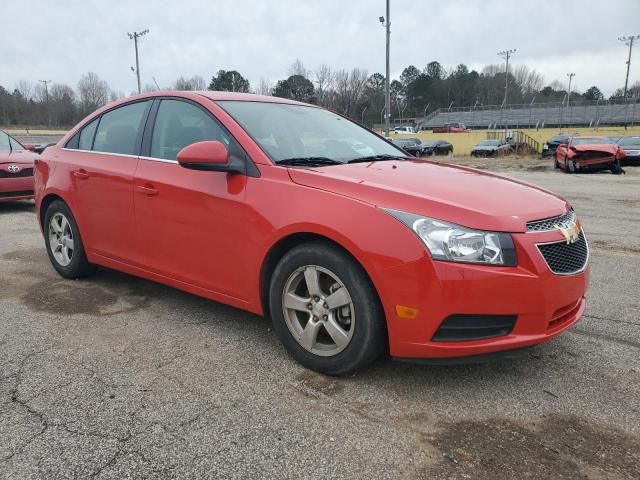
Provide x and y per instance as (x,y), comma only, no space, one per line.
(61,40)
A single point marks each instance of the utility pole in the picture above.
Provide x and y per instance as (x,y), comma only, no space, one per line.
(387,90)
(506,54)
(46,99)
(570,75)
(628,40)
(135,36)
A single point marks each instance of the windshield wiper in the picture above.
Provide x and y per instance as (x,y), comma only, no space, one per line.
(308,161)
(377,158)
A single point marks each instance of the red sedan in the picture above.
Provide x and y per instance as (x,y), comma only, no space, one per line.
(580,154)
(16,169)
(285,209)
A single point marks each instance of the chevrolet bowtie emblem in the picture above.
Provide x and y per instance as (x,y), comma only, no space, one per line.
(570,231)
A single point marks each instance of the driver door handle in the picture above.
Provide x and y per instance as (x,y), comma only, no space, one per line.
(147,190)
(80,174)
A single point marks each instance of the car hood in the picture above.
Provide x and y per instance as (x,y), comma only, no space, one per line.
(452,193)
(18,156)
(596,147)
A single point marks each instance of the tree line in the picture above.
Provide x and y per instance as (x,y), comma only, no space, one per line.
(354,93)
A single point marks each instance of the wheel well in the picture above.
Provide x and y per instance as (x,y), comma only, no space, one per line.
(46,201)
(280,249)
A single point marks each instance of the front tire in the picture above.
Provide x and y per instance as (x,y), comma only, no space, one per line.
(64,243)
(326,310)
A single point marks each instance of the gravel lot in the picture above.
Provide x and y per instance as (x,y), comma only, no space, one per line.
(117,377)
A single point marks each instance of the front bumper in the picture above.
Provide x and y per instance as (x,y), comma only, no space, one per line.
(16,189)
(545,304)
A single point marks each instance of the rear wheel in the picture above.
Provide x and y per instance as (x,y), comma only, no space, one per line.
(616,168)
(63,241)
(325,310)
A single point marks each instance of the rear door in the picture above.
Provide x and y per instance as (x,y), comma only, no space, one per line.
(189,223)
(104,163)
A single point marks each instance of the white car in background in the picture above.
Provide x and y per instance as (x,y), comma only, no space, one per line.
(405,129)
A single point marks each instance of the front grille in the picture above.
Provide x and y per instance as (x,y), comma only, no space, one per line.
(25,172)
(548,224)
(565,259)
(21,193)
(464,328)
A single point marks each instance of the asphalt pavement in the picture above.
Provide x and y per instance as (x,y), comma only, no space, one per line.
(116,377)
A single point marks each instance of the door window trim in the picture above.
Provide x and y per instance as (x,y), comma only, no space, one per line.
(145,149)
(139,135)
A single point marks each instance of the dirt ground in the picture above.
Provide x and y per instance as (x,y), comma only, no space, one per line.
(116,377)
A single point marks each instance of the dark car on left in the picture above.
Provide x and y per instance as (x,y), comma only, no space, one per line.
(413,146)
(550,146)
(16,169)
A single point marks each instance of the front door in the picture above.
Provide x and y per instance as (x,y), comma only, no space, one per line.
(187,220)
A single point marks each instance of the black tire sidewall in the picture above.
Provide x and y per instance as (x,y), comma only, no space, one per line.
(79,266)
(370,335)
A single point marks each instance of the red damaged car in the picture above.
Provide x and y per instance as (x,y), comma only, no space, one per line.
(16,169)
(580,154)
(352,247)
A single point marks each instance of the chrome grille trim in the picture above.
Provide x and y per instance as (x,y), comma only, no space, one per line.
(549,224)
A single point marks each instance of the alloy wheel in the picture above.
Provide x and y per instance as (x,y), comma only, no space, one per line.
(318,310)
(61,239)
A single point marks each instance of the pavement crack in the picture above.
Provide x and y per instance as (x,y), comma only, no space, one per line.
(609,338)
(596,317)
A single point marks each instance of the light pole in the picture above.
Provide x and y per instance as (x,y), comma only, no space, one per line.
(570,75)
(135,36)
(506,54)
(46,99)
(628,40)
(387,90)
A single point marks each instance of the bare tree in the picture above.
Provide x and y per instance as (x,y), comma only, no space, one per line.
(297,68)
(93,92)
(25,88)
(324,79)
(349,87)
(194,83)
(264,87)
(529,80)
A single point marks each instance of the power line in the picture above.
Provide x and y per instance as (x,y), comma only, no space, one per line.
(628,40)
(135,36)
(506,54)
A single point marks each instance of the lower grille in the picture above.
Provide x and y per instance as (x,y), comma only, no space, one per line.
(26,172)
(566,259)
(460,328)
(563,315)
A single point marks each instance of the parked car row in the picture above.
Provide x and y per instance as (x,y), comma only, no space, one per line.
(417,148)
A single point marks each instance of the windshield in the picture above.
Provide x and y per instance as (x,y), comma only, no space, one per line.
(8,143)
(629,141)
(590,140)
(559,138)
(287,132)
(489,143)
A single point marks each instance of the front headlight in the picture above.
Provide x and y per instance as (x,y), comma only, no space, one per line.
(454,243)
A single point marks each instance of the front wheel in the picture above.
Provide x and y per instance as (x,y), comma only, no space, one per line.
(326,310)
(64,244)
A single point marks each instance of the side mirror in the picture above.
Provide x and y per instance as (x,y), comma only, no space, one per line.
(208,155)
(30,146)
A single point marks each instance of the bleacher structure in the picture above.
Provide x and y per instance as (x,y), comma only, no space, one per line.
(581,113)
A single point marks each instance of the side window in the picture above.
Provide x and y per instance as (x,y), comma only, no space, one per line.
(179,124)
(86,135)
(118,129)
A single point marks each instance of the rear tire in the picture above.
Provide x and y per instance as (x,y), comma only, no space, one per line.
(64,243)
(326,310)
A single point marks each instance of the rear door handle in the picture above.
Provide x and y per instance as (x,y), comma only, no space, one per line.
(147,190)
(81,174)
